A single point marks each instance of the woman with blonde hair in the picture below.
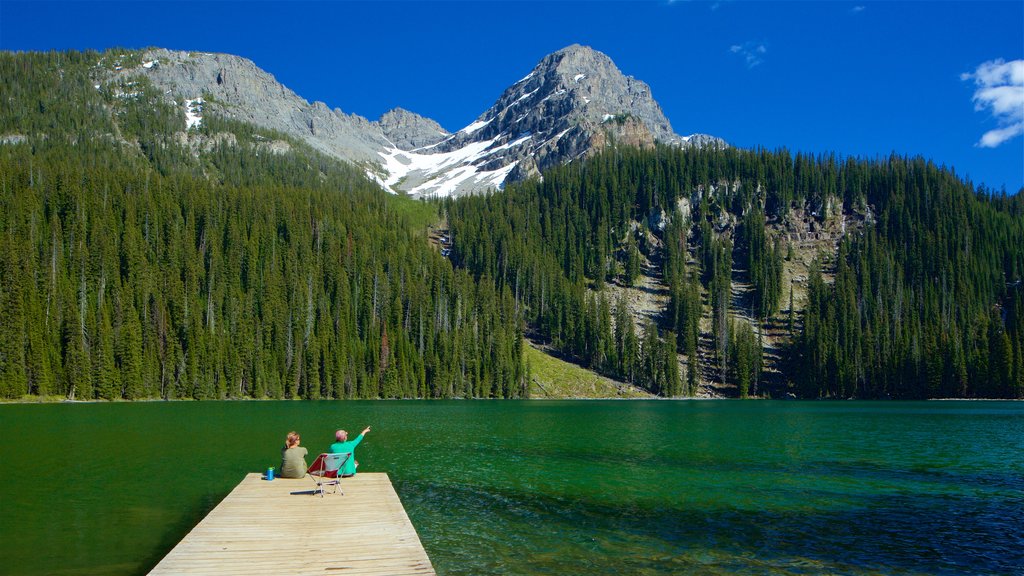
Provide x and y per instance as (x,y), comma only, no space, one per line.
(293,457)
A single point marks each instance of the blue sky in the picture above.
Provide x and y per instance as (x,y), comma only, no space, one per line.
(858,78)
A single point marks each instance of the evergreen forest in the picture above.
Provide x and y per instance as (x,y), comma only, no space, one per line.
(922,300)
(141,260)
(132,268)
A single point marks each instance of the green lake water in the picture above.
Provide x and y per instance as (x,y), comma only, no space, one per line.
(546,487)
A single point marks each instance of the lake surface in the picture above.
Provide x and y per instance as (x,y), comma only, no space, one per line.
(547,487)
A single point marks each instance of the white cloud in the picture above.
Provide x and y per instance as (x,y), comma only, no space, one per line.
(752,52)
(994,138)
(1000,89)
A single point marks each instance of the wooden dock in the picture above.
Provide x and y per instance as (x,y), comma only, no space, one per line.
(265,528)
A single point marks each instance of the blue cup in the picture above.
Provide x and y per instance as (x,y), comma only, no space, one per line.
(270,473)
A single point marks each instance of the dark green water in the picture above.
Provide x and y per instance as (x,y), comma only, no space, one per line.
(587,487)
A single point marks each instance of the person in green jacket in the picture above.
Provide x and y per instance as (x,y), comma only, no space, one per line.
(344,445)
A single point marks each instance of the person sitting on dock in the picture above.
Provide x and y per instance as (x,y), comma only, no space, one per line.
(344,445)
(293,457)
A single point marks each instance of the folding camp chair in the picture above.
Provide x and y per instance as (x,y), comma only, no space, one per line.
(324,471)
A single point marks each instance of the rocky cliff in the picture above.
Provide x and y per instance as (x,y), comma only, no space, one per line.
(408,130)
(236,88)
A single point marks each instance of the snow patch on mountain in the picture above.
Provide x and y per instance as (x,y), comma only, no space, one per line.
(448,173)
(558,136)
(193,113)
(475,126)
(525,96)
(377,179)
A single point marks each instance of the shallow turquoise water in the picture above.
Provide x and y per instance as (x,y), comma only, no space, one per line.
(539,487)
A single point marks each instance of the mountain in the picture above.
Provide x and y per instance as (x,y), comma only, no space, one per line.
(235,88)
(568,104)
(408,130)
(572,104)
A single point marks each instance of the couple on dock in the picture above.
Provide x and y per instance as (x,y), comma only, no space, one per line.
(293,456)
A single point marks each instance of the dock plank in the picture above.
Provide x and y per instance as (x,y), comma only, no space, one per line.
(263,528)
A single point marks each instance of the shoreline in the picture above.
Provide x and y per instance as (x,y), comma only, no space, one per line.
(61,400)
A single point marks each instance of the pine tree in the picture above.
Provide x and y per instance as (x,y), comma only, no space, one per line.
(673,386)
(105,373)
(632,260)
(129,353)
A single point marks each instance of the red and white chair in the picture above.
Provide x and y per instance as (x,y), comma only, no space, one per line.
(324,471)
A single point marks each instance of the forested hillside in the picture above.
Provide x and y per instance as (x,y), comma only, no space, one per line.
(926,299)
(141,259)
(153,251)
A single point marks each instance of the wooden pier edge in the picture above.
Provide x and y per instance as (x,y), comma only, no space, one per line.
(279,527)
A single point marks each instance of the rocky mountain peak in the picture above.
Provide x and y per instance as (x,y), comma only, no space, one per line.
(576,57)
(597,90)
(408,130)
(573,103)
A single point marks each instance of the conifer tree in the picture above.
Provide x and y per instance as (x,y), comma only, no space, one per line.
(632,260)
